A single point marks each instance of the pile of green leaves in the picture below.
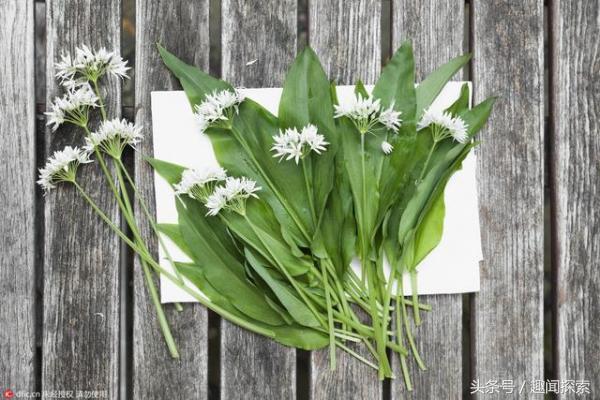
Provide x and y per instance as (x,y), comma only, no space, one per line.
(282,269)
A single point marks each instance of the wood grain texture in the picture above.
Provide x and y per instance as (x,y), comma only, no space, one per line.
(507,314)
(18,366)
(81,285)
(254,367)
(576,184)
(182,27)
(437,31)
(347,38)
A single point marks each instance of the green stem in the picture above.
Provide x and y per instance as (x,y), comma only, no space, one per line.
(427,160)
(149,217)
(415,296)
(409,336)
(146,257)
(100,101)
(309,192)
(330,321)
(164,326)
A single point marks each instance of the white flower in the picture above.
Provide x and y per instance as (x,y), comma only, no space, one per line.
(313,139)
(390,118)
(72,107)
(291,144)
(358,108)
(217,106)
(445,125)
(216,202)
(88,65)
(366,112)
(435,117)
(113,136)
(62,167)
(199,183)
(386,147)
(232,195)
(458,130)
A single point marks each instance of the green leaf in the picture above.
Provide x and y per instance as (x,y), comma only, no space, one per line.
(285,294)
(260,230)
(289,335)
(168,171)
(246,152)
(306,99)
(360,89)
(462,103)
(397,83)
(174,234)
(221,268)
(430,231)
(429,88)
(196,83)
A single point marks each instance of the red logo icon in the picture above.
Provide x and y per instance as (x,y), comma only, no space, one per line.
(9,394)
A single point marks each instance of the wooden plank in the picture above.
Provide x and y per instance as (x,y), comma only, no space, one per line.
(155,374)
(81,285)
(17,198)
(507,314)
(254,367)
(436,29)
(347,38)
(576,184)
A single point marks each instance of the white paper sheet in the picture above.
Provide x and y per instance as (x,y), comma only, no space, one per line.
(452,267)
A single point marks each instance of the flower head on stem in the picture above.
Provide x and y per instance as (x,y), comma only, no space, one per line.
(231,196)
(366,112)
(113,136)
(62,167)
(89,65)
(444,125)
(199,184)
(218,108)
(292,144)
(73,107)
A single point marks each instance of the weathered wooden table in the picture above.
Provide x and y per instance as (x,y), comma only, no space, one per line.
(70,319)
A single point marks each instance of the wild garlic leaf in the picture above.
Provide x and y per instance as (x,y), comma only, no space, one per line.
(431,86)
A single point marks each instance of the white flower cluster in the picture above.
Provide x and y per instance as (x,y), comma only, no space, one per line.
(199,184)
(73,107)
(217,107)
(291,144)
(62,167)
(113,136)
(88,65)
(444,125)
(365,112)
(231,196)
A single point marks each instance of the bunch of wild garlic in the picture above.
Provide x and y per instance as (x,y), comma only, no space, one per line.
(271,233)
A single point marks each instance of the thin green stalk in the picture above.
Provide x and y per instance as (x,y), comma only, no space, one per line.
(147,258)
(149,217)
(162,319)
(409,336)
(287,275)
(427,161)
(309,192)
(164,326)
(415,296)
(399,335)
(100,101)
(330,321)
(387,300)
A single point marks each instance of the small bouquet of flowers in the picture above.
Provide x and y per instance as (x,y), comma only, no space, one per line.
(271,233)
